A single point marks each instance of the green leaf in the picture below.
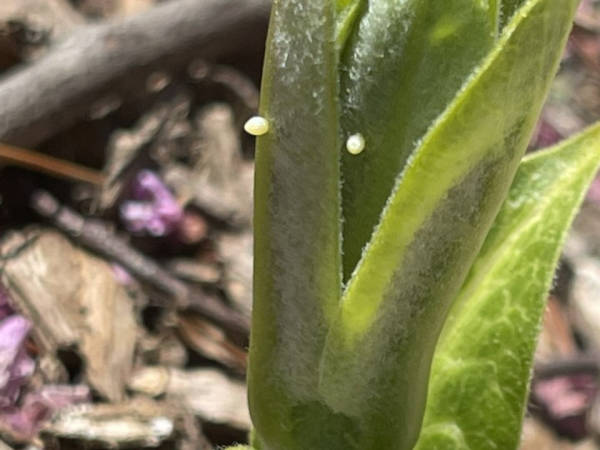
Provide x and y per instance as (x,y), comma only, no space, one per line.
(508,9)
(376,361)
(478,387)
(348,13)
(297,267)
(494,15)
(406,62)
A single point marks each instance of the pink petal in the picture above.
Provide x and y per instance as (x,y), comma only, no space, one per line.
(15,365)
(39,406)
(153,208)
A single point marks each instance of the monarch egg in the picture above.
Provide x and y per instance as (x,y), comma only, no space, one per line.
(256,126)
(355,144)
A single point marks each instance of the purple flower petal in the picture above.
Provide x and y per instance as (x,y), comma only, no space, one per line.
(15,421)
(544,135)
(136,215)
(156,226)
(39,406)
(122,275)
(150,186)
(58,396)
(153,209)
(137,211)
(564,401)
(15,365)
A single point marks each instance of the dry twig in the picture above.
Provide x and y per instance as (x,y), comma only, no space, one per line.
(40,162)
(98,238)
(53,93)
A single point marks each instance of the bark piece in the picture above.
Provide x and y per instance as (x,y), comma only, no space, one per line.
(55,16)
(208,393)
(74,300)
(129,7)
(141,424)
(41,275)
(112,58)
(220,183)
(556,340)
(128,146)
(236,253)
(211,342)
(96,235)
(584,306)
(163,348)
(195,271)
(109,335)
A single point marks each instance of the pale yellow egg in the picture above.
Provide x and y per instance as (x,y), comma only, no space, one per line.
(355,144)
(256,126)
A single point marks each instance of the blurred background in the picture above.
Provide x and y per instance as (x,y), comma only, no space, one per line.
(125,228)
(125,221)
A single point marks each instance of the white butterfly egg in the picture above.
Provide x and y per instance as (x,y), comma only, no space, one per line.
(257,126)
(355,144)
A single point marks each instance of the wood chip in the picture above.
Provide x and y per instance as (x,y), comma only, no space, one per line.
(74,300)
(129,7)
(41,275)
(152,381)
(4,446)
(585,309)
(211,342)
(236,253)
(124,148)
(56,16)
(108,338)
(537,436)
(220,183)
(208,393)
(556,340)
(194,270)
(140,424)
(163,348)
